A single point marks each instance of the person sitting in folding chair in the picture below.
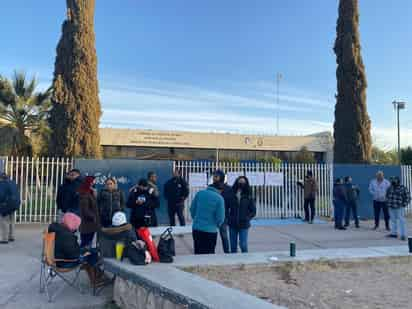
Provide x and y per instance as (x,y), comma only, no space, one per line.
(67,248)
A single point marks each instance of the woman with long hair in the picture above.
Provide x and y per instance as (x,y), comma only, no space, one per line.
(89,214)
(109,201)
(240,215)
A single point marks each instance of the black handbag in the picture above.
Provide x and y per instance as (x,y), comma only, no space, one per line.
(166,247)
(136,253)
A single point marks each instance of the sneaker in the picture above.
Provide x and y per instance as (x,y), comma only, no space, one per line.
(346,225)
(341,228)
(392,236)
(11,239)
(357,226)
(403,238)
(388,228)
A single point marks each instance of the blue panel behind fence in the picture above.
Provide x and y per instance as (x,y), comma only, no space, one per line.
(362,175)
(128,173)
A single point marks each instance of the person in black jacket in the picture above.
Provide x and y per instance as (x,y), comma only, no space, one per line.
(240,215)
(230,201)
(67,196)
(109,201)
(143,204)
(176,192)
(66,247)
(339,199)
(352,196)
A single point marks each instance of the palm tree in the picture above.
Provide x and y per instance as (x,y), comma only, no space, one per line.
(24,110)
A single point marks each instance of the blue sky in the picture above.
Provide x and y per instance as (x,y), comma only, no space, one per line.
(211,65)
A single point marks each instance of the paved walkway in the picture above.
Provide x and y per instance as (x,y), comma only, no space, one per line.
(19,261)
(317,236)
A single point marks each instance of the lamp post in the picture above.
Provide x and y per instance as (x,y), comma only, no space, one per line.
(278,79)
(398,105)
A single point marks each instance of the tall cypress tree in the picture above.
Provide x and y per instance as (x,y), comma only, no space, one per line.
(76,108)
(352,124)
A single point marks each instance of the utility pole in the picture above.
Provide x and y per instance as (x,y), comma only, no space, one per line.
(278,79)
(398,105)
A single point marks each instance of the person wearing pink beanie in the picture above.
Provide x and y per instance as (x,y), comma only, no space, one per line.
(66,246)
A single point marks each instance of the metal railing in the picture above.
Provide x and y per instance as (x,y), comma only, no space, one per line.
(406,171)
(38,180)
(272,201)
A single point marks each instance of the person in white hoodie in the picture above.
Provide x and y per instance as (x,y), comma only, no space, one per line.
(378,188)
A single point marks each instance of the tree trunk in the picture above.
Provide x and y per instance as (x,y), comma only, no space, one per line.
(352,124)
(76,108)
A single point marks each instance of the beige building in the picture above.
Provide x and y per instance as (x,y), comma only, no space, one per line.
(176,145)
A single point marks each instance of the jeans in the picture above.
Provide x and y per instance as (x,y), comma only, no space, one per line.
(397,214)
(224,237)
(309,206)
(86,240)
(339,211)
(204,242)
(176,209)
(7,227)
(351,207)
(377,206)
(242,234)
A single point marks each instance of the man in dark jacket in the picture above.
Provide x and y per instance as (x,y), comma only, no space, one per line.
(230,201)
(9,203)
(339,199)
(176,192)
(352,195)
(67,196)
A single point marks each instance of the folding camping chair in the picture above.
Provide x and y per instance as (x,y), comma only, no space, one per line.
(49,270)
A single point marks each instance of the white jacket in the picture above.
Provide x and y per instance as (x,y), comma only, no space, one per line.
(379,189)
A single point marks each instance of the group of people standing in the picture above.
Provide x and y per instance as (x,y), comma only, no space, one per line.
(77,195)
(389,197)
(222,208)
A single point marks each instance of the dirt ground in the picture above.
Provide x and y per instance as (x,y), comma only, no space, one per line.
(372,283)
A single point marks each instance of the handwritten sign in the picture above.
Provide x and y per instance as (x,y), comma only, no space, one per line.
(274,179)
(232,176)
(256,178)
(197,180)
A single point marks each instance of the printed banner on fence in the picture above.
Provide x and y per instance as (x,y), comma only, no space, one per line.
(256,178)
(232,176)
(197,180)
(274,179)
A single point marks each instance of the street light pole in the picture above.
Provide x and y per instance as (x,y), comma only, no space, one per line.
(278,78)
(398,105)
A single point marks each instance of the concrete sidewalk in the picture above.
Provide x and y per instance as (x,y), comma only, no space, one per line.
(19,261)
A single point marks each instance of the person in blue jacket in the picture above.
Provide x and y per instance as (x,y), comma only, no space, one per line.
(9,203)
(208,214)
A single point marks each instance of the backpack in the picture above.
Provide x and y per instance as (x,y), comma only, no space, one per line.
(166,247)
(136,253)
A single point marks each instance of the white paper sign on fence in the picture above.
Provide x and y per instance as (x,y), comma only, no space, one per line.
(274,179)
(232,176)
(256,178)
(197,180)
